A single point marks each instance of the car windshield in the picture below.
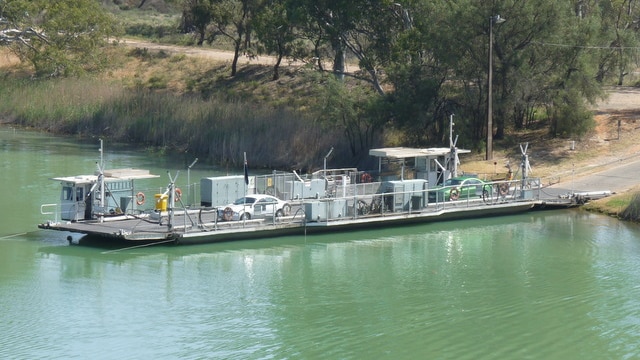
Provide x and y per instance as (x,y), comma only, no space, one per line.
(245,200)
(452,182)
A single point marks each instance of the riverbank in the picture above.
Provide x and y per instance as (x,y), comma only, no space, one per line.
(624,205)
(561,162)
(555,161)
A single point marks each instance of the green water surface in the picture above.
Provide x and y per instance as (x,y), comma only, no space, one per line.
(541,285)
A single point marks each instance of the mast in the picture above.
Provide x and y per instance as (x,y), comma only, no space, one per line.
(101,180)
(453,155)
(171,191)
(526,167)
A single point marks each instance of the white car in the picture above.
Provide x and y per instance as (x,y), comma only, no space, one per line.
(254,206)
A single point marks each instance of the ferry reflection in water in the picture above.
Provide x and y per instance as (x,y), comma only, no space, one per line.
(550,285)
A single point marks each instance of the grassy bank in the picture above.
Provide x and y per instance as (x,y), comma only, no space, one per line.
(180,104)
(219,130)
(624,206)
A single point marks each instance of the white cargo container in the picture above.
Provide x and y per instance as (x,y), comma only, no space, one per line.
(221,190)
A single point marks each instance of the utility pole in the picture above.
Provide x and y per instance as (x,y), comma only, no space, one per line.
(496,19)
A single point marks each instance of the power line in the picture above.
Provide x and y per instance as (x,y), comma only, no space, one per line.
(588,47)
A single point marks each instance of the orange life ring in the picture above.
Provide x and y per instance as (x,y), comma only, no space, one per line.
(178,194)
(365,178)
(454,194)
(140,198)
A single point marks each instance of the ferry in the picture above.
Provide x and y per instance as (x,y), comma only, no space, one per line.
(410,185)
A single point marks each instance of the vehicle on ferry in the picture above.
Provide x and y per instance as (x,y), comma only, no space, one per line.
(400,191)
(254,207)
(460,188)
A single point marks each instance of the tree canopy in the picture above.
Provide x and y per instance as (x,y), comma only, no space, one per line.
(58,37)
(427,59)
(422,59)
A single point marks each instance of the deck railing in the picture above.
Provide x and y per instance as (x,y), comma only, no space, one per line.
(53,212)
(354,201)
(367,200)
(359,200)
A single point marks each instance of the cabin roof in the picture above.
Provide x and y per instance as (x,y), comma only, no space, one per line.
(109,175)
(404,152)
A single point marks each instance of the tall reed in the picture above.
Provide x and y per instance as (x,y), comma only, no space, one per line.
(632,211)
(216,129)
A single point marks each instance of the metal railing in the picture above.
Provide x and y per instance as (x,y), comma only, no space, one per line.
(360,201)
(53,212)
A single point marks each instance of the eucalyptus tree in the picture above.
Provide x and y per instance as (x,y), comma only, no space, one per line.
(354,111)
(196,17)
(360,28)
(275,29)
(619,29)
(57,37)
(374,37)
(424,71)
(541,68)
(545,68)
(328,21)
(364,30)
(233,19)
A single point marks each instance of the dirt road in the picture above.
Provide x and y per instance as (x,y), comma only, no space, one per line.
(209,53)
(609,158)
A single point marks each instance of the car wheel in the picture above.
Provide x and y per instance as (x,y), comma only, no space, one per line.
(279,213)
(245,216)
(363,208)
(485,196)
(227,214)
(286,210)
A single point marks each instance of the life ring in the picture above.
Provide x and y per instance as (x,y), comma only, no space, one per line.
(178,194)
(504,189)
(227,214)
(454,194)
(365,178)
(140,198)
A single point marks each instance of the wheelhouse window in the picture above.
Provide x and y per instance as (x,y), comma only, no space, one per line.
(67,193)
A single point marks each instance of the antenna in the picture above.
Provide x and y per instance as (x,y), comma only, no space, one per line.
(526,167)
(329,153)
(453,160)
(189,179)
(325,162)
(101,180)
(451,142)
(101,166)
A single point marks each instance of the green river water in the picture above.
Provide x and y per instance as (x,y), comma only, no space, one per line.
(542,285)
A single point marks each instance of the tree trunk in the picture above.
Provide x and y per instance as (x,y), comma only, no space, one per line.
(339,60)
(200,38)
(236,56)
(276,68)
(316,51)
